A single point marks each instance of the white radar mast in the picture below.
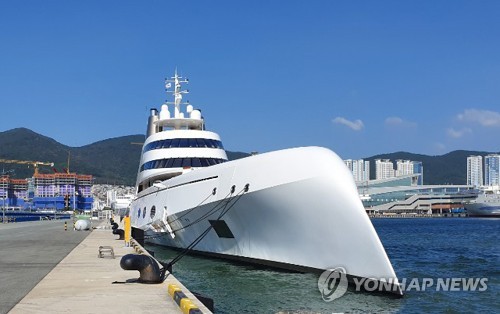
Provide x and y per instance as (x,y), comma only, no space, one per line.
(191,119)
(177,92)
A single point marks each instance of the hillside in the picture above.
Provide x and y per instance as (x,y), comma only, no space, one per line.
(115,160)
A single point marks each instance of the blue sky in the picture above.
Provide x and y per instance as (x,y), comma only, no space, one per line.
(358,77)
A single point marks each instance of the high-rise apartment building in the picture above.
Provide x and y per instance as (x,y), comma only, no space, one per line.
(475,170)
(405,167)
(360,169)
(492,170)
(384,169)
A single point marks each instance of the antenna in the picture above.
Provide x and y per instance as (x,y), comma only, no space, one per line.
(177,92)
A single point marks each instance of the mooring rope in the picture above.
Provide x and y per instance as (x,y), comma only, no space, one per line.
(204,233)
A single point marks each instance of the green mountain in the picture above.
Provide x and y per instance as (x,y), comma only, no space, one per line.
(115,160)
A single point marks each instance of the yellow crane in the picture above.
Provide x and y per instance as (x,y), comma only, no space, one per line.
(25,162)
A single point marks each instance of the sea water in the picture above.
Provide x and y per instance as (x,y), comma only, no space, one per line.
(420,249)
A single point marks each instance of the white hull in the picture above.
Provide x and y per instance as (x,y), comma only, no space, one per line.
(302,211)
(484,208)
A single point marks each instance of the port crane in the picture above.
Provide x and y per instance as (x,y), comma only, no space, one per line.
(35,164)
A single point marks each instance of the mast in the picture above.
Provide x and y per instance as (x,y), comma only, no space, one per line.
(178,120)
(177,93)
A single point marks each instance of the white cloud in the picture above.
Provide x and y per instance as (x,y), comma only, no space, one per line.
(485,118)
(356,125)
(397,121)
(458,133)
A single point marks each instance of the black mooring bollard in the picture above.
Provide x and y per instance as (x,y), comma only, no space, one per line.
(147,266)
(120,232)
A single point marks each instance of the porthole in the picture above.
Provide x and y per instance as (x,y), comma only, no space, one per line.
(139,213)
(144,213)
(153,211)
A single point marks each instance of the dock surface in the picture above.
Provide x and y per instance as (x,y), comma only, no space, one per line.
(28,252)
(84,283)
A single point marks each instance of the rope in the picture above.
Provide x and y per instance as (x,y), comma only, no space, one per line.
(201,203)
(199,219)
(204,233)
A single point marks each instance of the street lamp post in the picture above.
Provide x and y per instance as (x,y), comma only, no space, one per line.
(55,205)
(5,191)
(3,214)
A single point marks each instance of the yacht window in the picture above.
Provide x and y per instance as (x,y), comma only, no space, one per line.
(186,162)
(144,213)
(177,162)
(162,163)
(180,162)
(139,213)
(196,162)
(169,163)
(175,142)
(200,142)
(204,162)
(153,212)
(184,142)
(192,142)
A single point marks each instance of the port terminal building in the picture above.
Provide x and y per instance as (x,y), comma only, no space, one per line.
(404,195)
(56,191)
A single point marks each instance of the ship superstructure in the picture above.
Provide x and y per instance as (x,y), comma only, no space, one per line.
(176,141)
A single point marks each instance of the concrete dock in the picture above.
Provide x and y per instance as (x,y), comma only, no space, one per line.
(84,283)
(28,252)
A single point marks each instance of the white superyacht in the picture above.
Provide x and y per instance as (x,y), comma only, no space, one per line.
(295,209)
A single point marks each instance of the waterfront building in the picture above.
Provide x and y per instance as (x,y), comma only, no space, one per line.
(418,168)
(384,169)
(403,195)
(475,171)
(492,170)
(360,169)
